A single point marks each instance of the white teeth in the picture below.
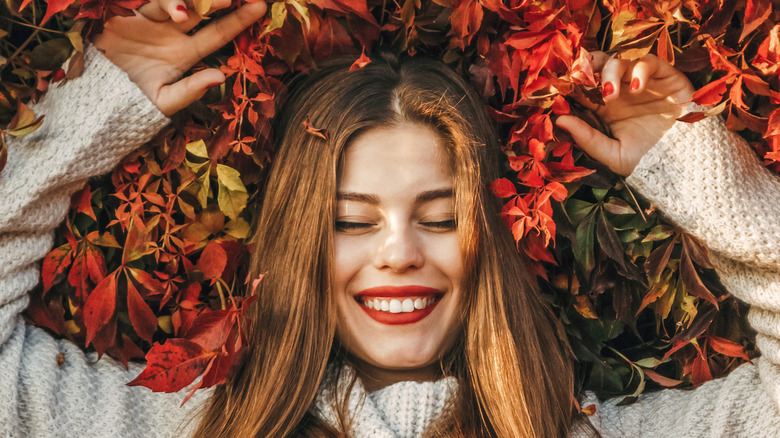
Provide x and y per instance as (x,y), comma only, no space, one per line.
(393,305)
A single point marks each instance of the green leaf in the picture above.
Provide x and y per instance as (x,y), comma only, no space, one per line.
(583,246)
(49,55)
(609,241)
(618,206)
(578,209)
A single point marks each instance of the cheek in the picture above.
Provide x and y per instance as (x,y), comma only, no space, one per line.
(446,253)
(347,256)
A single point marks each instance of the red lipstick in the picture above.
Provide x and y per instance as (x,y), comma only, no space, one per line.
(391,301)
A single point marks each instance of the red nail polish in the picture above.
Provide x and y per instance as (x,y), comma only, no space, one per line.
(608,89)
(181,8)
(635,84)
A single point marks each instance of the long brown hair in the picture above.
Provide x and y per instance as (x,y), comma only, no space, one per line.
(513,369)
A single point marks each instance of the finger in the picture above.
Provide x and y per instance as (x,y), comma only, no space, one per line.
(592,141)
(177,9)
(611,77)
(220,32)
(179,95)
(152,11)
(642,71)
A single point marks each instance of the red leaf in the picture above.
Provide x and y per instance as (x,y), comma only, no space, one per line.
(317,132)
(54,265)
(147,284)
(53,7)
(172,366)
(212,260)
(729,348)
(359,63)
(143,319)
(211,328)
(100,306)
(691,280)
(503,188)
(83,202)
(661,380)
(712,93)
(700,369)
(692,117)
(756,12)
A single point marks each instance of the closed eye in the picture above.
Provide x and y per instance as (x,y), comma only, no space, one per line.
(445,225)
(352,226)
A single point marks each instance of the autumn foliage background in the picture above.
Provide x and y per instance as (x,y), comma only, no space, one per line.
(149,260)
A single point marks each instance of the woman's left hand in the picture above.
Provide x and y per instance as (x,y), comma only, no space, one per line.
(642,100)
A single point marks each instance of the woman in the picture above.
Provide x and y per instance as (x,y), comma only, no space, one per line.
(373,236)
(404,177)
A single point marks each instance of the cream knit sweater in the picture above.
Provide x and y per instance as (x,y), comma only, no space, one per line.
(704,178)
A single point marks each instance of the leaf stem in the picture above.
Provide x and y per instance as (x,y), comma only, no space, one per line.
(19,50)
(32,26)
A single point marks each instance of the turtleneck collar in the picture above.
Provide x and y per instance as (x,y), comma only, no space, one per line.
(401,410)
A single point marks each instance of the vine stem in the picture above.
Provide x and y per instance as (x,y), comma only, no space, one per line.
(19,49)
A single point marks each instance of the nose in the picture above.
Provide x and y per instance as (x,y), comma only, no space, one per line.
(399,250)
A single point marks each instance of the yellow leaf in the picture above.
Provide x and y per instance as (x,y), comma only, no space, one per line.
(164,322)
(278,15)
(203,188)
(584,307)
(71,327)
(232,193)
(74,35)
(24,122)
(198,148)
(303,10)
(202,7)
(238,228)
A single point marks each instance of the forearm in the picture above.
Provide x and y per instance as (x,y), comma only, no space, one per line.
(91,123)
(708,181)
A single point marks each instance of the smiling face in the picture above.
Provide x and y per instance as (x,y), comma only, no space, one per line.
(398,265)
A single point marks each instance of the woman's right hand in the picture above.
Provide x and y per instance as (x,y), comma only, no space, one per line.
(642,100)
(155,50)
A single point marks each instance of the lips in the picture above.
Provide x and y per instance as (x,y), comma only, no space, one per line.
(398,305)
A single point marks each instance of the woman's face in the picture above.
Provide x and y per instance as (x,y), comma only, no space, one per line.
(398,264)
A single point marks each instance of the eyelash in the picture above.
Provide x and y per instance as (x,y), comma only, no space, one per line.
(449,224)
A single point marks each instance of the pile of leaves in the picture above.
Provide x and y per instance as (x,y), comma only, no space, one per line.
(148,262)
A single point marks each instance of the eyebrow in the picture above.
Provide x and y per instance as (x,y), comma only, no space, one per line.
(426,196)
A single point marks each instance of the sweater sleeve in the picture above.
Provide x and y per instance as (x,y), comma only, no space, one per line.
(708,181)
(90,124)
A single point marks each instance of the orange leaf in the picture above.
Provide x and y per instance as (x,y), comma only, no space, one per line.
(729,348)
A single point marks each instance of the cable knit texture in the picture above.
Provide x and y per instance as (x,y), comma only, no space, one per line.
(708,181)
(402,410)
(704,178)
(91,123)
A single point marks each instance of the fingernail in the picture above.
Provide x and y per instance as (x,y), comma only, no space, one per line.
(635,84)
(212,85)
(181,8)
(608,89)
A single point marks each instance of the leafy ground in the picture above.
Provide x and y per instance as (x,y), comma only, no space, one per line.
(149,259)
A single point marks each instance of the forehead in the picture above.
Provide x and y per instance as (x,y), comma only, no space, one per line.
(407,156)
